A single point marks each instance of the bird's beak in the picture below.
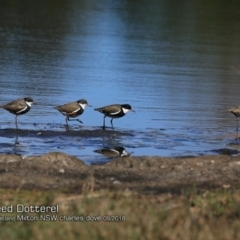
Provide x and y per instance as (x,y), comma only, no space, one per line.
(89,105)
(132,110)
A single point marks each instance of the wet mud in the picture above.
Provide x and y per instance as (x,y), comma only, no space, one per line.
(92,145)
(53,133)
(95,146)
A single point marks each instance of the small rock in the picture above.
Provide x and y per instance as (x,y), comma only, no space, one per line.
(226,186)
(117,182)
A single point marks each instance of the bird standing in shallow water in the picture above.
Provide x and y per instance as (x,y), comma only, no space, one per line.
(18,107)
(72,110)
(236,112)
(114,111)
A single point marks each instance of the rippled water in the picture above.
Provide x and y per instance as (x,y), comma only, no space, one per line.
(178,65)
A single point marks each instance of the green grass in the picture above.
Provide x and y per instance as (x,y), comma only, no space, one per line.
(194,214)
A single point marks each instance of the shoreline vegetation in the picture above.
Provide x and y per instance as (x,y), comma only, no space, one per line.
(128,198)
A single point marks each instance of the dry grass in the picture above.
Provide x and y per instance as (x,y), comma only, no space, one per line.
(191,215)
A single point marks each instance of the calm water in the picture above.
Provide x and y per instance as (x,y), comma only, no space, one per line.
(178,65)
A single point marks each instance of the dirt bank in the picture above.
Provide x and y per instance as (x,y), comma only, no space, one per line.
(146,175)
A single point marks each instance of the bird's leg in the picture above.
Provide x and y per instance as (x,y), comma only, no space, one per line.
(237,128)
(75,120)
(16,138)
(112,124)
(103,123)
(16,141)
(16,122)
(67,127)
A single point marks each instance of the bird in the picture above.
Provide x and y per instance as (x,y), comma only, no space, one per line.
(113,152)
(18,107)
(236,112)
(114,111)
(72,110)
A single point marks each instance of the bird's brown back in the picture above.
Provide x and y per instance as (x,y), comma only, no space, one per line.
(235,111)
(68,107)
(15,105)
(109,109)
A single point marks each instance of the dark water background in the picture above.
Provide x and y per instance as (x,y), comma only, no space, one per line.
(177,64)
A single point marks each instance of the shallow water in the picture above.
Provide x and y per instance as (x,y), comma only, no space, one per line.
(177,65)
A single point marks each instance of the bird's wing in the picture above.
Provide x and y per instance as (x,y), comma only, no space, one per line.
(234,109)
(110,110)
(15,105)
(68,107)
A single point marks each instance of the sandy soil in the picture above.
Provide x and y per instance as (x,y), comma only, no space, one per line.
(145,175)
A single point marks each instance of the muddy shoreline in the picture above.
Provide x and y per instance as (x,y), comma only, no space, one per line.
(144,175)
(11,132)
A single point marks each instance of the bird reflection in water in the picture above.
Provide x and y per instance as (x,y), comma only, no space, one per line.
(16,141)
(113,152)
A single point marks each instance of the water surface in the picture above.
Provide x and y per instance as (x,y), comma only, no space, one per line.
(178,65)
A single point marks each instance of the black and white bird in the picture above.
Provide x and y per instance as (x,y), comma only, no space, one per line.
(236,112)
(72,110)
(114,111)
(113,152)
(18,107)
